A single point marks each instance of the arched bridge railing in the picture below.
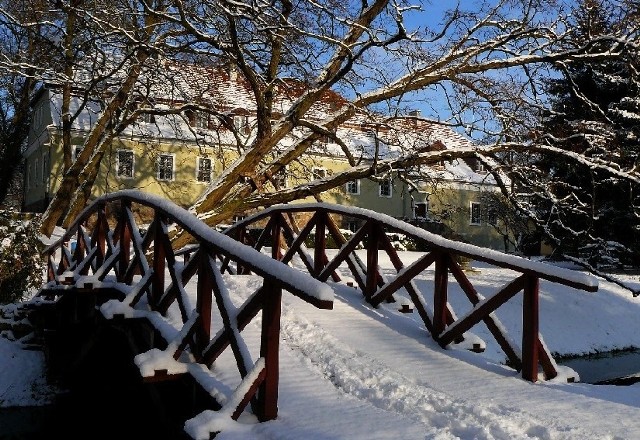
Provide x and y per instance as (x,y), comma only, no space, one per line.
(142,277)
(286,228)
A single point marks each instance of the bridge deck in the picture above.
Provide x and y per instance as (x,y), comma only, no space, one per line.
(196,301)
(362,373)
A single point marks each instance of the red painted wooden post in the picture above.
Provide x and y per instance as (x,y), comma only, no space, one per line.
(63,265)
(159,262)
(530,328)
(276,240)
(100,235)
(320,243)
(203,302)
(81,246)
(372,260)
(269,350)
(124,240)
(240,237)
(440,293)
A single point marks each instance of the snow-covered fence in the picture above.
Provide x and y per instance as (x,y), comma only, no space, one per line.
(99,253)
(289,226)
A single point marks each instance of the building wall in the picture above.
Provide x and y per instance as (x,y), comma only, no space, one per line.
(44,162)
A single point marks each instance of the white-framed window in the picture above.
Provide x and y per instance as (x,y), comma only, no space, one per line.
(318,173)
(475,213)
(198,119)
(124,164)
(353,187)
(492,216)
(385,188)
(420,209)
(45,167)
(281,178)
(165,167)
(203,169)
(241,123)
(148,118)
(201,120)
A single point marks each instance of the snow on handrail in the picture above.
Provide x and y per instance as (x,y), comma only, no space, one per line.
(260,263)
(543,270)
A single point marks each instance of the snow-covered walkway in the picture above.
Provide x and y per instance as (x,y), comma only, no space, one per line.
(358,372)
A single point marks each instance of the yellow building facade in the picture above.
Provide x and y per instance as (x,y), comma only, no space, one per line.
(180,169)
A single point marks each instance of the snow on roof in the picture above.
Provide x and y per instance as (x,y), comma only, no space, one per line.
(225,90)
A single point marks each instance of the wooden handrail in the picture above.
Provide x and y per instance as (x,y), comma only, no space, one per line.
(538,269)
(110,258)
(439,319)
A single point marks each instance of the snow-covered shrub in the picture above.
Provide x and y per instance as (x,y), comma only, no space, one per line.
(603,255)
(21,266)
(401,242)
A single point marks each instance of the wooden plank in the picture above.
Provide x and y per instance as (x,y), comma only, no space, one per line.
(247,311)
(545,358)
(320,243)
(171,294)
(251,391)
(346,254)
(481,311)
(297,244)
(276,238)
(124,240)
(491,321)
(402,279)
(229,327)
(159,262)
(204,291)
(372,260)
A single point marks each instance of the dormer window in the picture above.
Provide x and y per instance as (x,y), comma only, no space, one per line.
(148,118)
(198,119)
(241,124)
(201,120)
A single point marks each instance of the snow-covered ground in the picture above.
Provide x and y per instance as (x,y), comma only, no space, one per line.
(357,372)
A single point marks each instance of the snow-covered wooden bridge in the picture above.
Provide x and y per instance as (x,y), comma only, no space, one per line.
(105,270)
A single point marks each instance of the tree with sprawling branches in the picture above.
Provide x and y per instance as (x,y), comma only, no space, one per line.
(479,67)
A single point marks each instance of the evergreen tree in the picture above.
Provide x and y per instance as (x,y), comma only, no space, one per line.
(595,112)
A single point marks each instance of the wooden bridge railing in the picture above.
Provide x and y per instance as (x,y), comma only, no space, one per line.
(138,265)
(287,238)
